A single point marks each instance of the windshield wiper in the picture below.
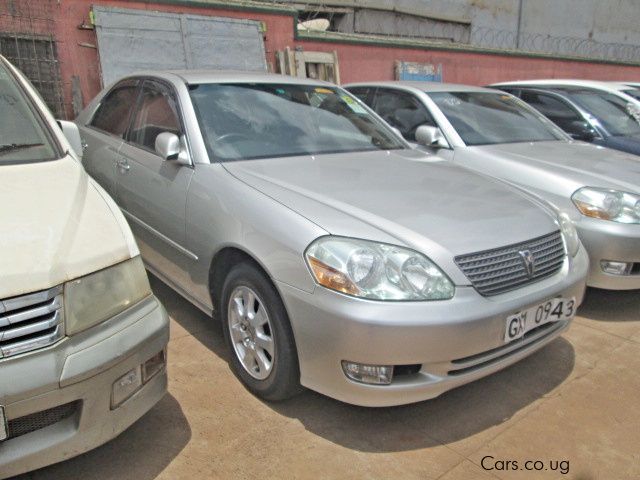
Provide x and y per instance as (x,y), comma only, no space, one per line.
(12,147)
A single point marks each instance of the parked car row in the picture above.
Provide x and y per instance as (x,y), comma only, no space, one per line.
(497,134)
(337,255)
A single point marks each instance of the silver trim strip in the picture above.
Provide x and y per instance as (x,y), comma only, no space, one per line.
(4,431)
(25,315)
(161,236)
(32,328)
(32,344)
(22,301)
(25,320)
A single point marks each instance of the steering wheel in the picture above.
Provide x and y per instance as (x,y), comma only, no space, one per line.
(230,136)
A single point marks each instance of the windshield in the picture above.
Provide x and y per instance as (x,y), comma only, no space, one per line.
(246,121)
(23,137)
(486,118)
(616,115)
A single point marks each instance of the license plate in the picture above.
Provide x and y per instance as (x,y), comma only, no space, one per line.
(3,425)
(552,310)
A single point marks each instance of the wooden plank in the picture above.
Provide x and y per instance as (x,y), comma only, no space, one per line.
(301,70)
(318,57)
(280,62)
(289,61)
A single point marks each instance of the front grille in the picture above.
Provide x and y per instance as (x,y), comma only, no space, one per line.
(30,322)
(502,269)
(36,421)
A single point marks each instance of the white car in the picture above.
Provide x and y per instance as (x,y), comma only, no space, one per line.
(82,338)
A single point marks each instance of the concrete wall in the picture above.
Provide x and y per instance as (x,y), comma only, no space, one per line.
(357,61)
(609,21)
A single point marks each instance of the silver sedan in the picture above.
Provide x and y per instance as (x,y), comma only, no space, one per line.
(496,134)
(336,257)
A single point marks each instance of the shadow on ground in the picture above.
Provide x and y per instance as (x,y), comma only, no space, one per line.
(454,416)
(141,452)
(611,305)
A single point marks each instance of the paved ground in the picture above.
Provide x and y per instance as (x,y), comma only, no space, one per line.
(575,401)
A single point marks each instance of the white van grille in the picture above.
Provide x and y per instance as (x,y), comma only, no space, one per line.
(30,322)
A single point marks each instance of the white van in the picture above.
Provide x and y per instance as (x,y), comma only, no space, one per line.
(82,338)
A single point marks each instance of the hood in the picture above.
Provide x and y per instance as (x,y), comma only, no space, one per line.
(578,163)
(57,224)
(401,197)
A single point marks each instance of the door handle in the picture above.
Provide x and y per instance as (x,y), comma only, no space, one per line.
(123,165)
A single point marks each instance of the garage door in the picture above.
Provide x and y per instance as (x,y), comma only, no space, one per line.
(133,40)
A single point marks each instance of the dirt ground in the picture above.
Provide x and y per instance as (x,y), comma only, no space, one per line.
(573,407)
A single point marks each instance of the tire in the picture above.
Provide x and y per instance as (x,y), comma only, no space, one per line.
(267,368)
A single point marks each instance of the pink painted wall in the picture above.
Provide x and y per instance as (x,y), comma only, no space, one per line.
(357,62)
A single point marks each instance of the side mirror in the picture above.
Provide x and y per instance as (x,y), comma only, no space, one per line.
(169,147)
(579,130)
(429,136)
(72,134)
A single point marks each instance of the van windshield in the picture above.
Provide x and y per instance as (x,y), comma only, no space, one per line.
(23,137)
(241,121)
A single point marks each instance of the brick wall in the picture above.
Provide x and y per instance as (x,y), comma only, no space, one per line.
(357,61)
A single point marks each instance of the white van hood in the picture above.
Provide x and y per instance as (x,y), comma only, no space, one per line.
(56,224)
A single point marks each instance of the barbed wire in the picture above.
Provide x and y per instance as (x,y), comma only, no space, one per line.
(462,34)
(554,45)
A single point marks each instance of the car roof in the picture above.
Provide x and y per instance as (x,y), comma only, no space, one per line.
(427,87)
(195,77)
(560,82)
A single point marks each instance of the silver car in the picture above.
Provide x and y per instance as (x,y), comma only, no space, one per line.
(336,257)
(499,135)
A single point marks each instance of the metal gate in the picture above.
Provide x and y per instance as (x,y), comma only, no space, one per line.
(26,40)
(133,40)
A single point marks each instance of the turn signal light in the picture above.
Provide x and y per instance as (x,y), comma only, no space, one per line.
(331,278)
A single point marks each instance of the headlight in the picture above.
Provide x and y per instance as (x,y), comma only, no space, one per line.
(99,296)
(569,234)
(376,271)
(605,204)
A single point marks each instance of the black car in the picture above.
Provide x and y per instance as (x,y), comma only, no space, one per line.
(587,114)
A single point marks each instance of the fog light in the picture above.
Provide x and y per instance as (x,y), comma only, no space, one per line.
(616,268)
(373,374)
(153,366)
(126,386)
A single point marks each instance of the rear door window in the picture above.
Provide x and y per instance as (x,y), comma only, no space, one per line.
(114,113)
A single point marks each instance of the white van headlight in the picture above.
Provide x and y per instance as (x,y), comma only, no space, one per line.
(94,298)
(376,271)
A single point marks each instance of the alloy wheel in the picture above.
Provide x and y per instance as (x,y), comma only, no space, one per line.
(251,332)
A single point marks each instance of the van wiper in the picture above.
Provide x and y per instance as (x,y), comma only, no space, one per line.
(12,147)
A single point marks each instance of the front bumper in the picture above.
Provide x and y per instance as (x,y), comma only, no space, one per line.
(610,241)
(74,379)
(454,341)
